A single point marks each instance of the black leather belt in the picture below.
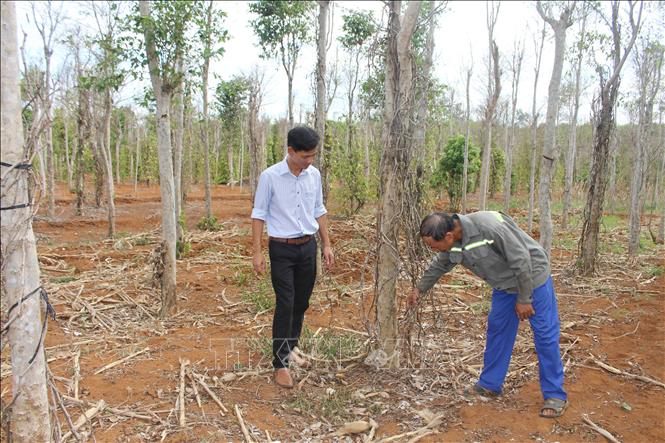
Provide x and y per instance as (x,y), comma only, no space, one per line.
(292,241)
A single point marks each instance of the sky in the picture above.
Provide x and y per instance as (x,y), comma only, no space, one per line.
(460,38)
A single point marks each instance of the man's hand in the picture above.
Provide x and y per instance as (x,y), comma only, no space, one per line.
(524,311)
(259,263)
(328,256)
(412,299)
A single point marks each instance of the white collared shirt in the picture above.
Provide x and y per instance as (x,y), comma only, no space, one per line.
(288,204)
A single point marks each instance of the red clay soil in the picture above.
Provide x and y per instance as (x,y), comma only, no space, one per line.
(631,337)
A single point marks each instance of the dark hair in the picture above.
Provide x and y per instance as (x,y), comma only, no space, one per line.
(437,225)
(302,138)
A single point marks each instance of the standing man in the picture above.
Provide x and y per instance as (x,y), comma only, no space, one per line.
(493,247)
(289,199)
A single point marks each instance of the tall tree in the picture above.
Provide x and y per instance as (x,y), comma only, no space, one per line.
(211,34)
(283,27)
(47,21)
(320,112)
(493,94)
(163,25)
(515,70)
(357,29)
(108,80)
(20,268)
(465,169)
(604,122)
(579,51)
(534,126)
(559,26)
(649,64)
(395,159)
(257,152)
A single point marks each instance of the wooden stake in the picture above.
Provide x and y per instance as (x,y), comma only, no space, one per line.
(183,365)
(122,360)
(77,373)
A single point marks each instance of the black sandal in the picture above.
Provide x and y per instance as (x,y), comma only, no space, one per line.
(478,391)
(553,404)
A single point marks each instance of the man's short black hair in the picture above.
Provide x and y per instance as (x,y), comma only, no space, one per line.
(437,225)
(302,138)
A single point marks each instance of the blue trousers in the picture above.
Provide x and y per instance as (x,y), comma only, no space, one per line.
(502,327)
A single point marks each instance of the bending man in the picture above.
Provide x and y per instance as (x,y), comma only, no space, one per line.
(493,247)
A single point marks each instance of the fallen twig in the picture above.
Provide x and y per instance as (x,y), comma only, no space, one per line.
(243,428)
(118,362)
(598,429)
(616,371)
(85,417)
(181,417)
(210,393)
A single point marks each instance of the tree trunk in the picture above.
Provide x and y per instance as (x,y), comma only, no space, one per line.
(177,151)
(108,166)
(534,130)
(516,68)
(604,124)
(320,112)
(572,140)
(649,65)
(465,170)
(395,161)
(205,125)
(138,157)
(549,144)
(493,94)
(82,134)
(242,155)
(229,160)
(30,419)
(257,153)
(118,141)
(68,159)
(166,185)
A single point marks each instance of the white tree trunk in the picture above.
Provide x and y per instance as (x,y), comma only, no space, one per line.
(465,168)
(30,420)
(108,166)
(549,144)
(177,151)
(398,133)
(516,68)
(205,126)
(320,111)
(166,185)
(534,130)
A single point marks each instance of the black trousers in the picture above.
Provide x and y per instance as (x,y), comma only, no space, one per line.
(293,273)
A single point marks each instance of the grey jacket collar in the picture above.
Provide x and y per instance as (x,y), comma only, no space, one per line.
(469,229)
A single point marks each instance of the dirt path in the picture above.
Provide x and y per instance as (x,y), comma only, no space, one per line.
(107,307)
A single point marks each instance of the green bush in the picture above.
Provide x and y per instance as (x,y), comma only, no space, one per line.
(208,224)
(450,170)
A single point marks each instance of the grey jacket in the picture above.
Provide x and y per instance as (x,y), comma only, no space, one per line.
(495,249)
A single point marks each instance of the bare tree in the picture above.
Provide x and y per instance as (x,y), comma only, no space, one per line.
(515,69)
(648,63)
(395,160)
(257,152)
(20,268)
(559,26)
(320,111)
(205,127)
(534,127)
(465,170)
(572,138)
(47,21)
(604,123)
(493,94)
